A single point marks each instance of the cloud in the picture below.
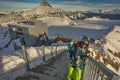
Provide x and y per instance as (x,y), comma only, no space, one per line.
(70,3)
(72,7)
(109,5)
(65,5)
(4,5)
(76,5)
(15,4)
(81,5)
(25,1)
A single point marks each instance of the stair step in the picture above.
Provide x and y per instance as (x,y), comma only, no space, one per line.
(54,69)
(48,68)
(51,73)
(39,69)
(41,76)
(33,79)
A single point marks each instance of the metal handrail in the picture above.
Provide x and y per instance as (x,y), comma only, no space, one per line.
(53,51)
(25,55)
(95,70)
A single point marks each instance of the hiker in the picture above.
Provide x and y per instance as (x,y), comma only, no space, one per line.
(76,65)
(79,62)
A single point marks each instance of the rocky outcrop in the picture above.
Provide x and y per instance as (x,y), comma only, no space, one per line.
(45,3)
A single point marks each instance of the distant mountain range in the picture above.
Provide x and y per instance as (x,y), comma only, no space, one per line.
(105,11)
(113,14)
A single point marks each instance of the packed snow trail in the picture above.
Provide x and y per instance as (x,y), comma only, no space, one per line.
(54,69)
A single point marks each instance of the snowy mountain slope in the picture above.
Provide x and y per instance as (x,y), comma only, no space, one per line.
(113,39)
(112,47)
(4,37)
(94,29)
(107,51)
(57,21)
(41,10)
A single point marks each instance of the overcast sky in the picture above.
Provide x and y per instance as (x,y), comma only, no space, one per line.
(71,5)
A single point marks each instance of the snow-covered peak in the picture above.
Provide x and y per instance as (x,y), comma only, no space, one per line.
(41,10)
(45,3)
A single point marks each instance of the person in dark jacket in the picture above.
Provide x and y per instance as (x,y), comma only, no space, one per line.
(77,64)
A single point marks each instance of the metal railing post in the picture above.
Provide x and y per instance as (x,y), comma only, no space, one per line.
(60,49)
(56,50)
(43,50)
(25,56)
(51,50)
(95,72)
(64,47)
